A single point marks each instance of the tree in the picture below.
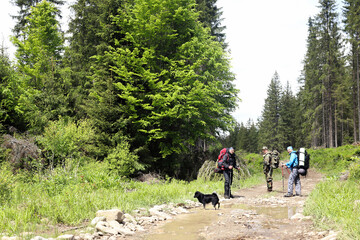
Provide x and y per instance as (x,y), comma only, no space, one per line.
(38,56)
(269,125)
(24,12)
(352,26)
(169,83)
(91,32)
(287,122)
(210,16)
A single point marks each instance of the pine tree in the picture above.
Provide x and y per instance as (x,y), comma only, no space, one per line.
(269,125)
(169,82)
(38,54)
(352,28)
(91,32)
(24,12)
(210,16)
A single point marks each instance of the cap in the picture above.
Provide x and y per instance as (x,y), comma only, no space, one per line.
(264,148)
(290,148)
(231,148)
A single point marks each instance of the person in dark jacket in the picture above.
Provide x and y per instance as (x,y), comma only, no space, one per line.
(229,163)
(294,177)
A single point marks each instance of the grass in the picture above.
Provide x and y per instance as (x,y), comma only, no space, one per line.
(41,202)
(335,204)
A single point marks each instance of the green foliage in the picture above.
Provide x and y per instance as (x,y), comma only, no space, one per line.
(270,132)
(67,143)
(333,160)
(167,84)
(38,56)
(7,181)
(124,162)
(335,205)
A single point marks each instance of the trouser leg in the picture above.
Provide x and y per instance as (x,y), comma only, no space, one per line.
(268,175)
(228,181)
(294,178)
(297,184)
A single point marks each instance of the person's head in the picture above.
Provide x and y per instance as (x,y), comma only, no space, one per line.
(265,149)
(290,149)
(231,150)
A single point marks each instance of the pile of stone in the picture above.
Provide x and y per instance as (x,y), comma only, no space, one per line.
(113,223)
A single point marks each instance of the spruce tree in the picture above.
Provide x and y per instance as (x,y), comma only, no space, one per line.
(24,12)
(38,56)
(210,16)
(169,82)
(269,125)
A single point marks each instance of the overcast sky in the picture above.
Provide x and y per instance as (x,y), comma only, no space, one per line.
(263,36)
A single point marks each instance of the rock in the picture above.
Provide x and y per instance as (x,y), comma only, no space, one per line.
(297,216)
(96,220)
(344,176)
(332,236)
(158,211)
(104,227)
(38,238)
(120,228)
(86,236)
(66,237)
(111,215)
(129,219)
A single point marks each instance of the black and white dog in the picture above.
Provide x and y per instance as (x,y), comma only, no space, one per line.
(208,198)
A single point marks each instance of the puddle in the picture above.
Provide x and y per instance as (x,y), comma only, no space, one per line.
(185,226)
(189,226)
(285,212)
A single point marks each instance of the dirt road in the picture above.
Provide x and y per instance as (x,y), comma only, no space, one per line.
(254,213)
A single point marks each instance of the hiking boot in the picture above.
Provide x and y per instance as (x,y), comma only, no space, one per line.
(269,189)
(226,196)
(232,196)
(298,195)
(288,195)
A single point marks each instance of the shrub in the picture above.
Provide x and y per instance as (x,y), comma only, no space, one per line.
(67,143)
(124,162)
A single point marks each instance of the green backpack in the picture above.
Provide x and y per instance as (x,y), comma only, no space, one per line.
(275,159)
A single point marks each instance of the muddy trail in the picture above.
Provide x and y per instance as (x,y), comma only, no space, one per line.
(254,213)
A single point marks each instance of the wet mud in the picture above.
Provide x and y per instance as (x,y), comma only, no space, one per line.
(254,213)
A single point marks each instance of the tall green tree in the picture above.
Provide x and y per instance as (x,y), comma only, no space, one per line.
(168,80)
(38,55)
(24,12)
(310,90)
(90,33)
(210,16)
(352,29)
(269,124)
(288,118)
(330,47)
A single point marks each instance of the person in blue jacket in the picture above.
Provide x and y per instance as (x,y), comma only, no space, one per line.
(294,177)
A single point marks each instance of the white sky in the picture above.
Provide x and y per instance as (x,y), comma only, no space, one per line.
(263,36)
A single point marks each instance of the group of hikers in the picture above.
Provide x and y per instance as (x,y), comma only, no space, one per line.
(270,162)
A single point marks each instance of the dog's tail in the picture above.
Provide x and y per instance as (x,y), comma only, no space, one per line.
(214,194)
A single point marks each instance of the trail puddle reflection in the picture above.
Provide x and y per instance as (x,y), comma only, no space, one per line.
(186,226)
(189,226)
(275,212)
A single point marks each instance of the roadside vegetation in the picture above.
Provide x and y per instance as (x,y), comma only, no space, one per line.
(335,202)
(39,201)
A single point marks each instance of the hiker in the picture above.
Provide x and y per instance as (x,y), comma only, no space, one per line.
(229,163)
(294,174)
(268,168)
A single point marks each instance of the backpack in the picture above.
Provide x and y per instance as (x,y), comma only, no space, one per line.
(219,168)
(275,158)
(304,161)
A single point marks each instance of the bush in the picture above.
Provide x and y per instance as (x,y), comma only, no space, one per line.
(67,143)
(124,162)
